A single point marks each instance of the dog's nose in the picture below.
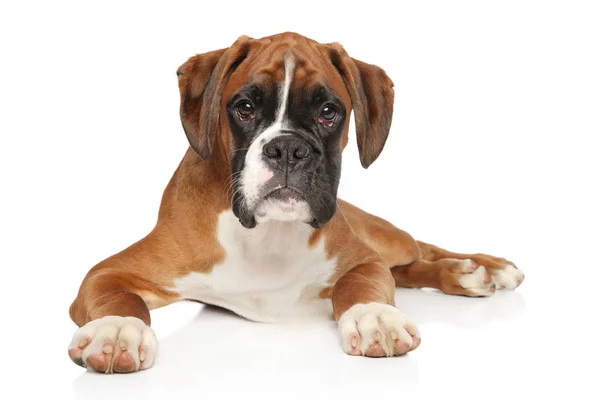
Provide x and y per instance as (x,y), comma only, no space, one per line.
(286,150)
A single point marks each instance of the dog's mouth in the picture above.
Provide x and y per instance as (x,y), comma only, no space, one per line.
(280,203)
(283,203)
(285,195)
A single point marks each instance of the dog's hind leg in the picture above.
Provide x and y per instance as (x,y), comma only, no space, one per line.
(417,264)
(455,273)
(504,273)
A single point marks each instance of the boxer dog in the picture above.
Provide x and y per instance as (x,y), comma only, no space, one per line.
(251,222)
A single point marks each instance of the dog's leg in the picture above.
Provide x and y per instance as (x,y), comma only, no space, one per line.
(451,276)
(461,274)
(416,264)
(471,275)
(112,309)
(504,273)
(368,322)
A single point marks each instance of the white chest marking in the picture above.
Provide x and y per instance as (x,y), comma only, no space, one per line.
(269,273)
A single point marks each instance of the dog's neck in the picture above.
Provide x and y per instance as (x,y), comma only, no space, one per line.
(204,183)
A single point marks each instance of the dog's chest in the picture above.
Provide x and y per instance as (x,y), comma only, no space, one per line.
(270,273)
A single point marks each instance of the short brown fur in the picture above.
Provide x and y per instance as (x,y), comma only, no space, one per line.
(373,255)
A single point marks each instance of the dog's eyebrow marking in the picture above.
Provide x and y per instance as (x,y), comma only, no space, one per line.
(290,64)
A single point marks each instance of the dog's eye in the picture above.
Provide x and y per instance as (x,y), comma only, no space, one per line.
(245,111)
(328,114)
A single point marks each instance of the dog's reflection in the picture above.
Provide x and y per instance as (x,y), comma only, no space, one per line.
(429,306)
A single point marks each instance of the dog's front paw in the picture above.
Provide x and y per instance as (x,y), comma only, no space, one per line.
(377,330)
(114,344)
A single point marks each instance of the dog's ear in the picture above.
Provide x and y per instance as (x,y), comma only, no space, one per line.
(202,79)
(372,95)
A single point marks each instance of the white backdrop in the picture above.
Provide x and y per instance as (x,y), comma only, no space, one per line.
(494,148)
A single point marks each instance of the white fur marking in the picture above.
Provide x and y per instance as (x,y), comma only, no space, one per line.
(508,278)
(467,265)
(264,175)
(269,274)
(364,324)
(475,282)
(139,339)
(254,167)
(278,210)
(285,91)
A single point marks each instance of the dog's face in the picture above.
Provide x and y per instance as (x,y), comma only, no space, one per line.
(276,110)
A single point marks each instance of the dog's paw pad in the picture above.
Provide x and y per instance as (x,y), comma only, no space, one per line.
(124,362)
(98,362)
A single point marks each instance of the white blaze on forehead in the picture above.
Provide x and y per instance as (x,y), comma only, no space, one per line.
(255,169)
(284,91)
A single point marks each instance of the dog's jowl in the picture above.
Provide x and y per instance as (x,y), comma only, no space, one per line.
(251,221)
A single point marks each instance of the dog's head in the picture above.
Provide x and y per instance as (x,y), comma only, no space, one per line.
(277,110)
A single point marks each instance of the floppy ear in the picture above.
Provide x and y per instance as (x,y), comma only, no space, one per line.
(202,79)
(372,95)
